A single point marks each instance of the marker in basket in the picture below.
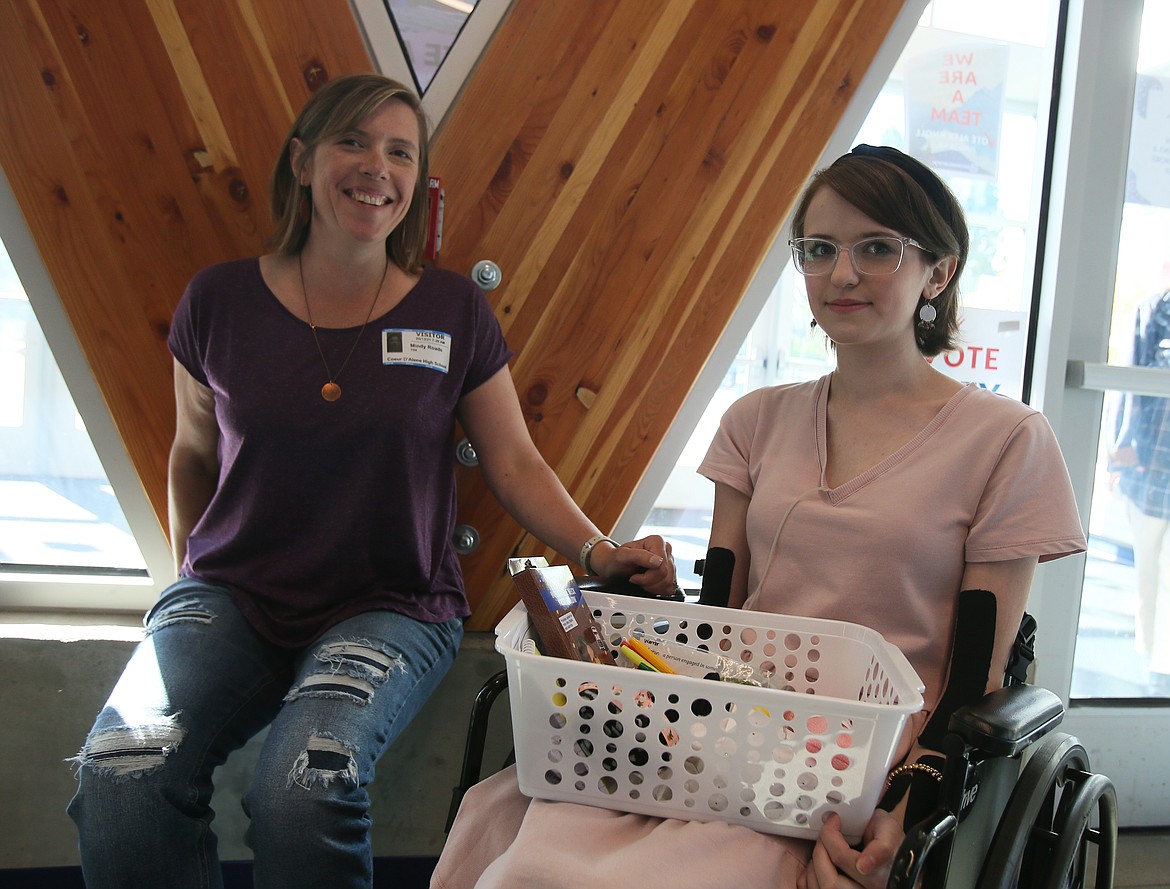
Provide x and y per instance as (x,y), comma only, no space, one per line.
(634,658)
(529,647)
(648,656)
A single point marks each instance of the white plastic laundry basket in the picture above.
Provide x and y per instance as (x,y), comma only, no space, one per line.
(774,759)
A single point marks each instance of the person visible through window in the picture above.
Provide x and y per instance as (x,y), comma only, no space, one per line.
(1140,461)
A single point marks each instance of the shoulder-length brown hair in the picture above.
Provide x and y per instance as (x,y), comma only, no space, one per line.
(339,106)
(903,194)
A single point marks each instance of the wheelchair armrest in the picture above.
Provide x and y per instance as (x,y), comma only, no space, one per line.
(1007,720)
(621,587)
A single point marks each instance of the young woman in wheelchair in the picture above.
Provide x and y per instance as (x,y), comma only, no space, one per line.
(873,495)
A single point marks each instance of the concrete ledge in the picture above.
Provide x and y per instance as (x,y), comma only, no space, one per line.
(50,692)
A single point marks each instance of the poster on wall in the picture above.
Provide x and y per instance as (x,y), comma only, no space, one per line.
(991,351)
(954,107)
(1148,177)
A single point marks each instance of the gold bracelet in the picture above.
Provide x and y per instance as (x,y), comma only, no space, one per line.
(914,767)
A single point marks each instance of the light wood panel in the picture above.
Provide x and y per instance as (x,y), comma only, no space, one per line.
(138,136)
(634,163)
(627,164)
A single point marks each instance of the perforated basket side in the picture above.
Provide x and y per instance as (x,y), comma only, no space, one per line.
(777,761)
(686,748)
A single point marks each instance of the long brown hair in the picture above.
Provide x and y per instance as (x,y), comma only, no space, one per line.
(338,106)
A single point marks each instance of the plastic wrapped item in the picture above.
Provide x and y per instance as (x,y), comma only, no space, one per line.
(689,660)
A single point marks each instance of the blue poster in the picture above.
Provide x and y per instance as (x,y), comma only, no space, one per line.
(954,108)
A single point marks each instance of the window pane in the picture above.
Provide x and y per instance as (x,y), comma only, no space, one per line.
(58,513)
(966,97)
(1123,637)
(427,29)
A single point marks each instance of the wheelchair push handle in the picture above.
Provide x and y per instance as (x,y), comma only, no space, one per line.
(715,569)
(622,587)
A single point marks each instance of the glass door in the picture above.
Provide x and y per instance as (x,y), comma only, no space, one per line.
(1109,285)
(1123,637)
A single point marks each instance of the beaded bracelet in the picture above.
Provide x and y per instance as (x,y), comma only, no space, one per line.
(909,767)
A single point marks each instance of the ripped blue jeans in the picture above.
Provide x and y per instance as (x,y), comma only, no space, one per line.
(198,687)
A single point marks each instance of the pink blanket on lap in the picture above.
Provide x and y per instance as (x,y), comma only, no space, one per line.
(553,845)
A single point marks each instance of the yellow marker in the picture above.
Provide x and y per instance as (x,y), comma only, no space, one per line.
(634,658)
(649,656)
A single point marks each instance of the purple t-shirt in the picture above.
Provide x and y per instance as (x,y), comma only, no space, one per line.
(324,510)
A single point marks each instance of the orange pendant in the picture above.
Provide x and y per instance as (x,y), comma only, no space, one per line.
(331,391)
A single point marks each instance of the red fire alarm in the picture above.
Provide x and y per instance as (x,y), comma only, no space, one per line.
(435,223)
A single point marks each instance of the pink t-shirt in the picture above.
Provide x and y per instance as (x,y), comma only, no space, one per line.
(983,482)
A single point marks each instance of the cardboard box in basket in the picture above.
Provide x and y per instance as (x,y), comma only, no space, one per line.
(560,616)
(778,760)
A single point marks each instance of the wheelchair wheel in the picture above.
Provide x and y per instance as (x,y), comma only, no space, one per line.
(1074,831)
(1043,839)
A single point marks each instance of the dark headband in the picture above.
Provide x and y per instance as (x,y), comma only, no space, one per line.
(916,170)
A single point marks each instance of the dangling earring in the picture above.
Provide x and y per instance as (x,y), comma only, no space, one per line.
(812,324)
(926,316)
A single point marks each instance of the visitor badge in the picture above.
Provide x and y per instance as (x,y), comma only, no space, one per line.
(423,348)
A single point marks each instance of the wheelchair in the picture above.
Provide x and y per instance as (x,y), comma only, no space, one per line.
(1018,805)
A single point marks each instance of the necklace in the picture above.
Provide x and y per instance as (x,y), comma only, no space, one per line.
(331,391)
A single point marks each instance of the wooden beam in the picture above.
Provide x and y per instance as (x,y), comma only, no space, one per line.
(631,170)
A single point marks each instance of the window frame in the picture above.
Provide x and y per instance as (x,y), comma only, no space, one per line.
(81,591)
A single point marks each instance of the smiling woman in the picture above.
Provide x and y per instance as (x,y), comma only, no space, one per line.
(374,166)
(312,510)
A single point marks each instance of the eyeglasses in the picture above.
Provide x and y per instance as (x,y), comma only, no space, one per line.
(870,256)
